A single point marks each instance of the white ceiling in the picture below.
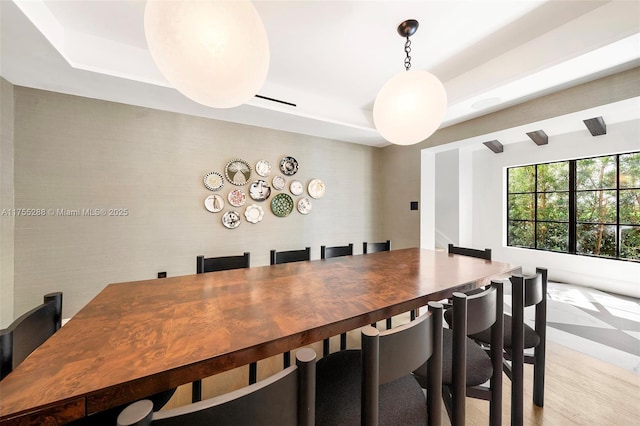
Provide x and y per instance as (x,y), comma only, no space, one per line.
(331,57)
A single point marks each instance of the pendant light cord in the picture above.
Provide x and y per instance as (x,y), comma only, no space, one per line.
(407,50)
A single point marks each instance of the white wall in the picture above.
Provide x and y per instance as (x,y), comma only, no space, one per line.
(447,203)
(489,207)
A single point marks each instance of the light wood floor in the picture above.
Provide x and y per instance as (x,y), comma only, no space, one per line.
(579,390)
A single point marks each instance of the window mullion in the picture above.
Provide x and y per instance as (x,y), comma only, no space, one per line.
(618,232)
(572,208)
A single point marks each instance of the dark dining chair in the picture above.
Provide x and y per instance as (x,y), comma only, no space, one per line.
(336,251)
(223,263)
(327,253)
(214,264)
(527,291)
(28,332)
(375,385)
(280,257)
(464,251)
(286,398)
(375,248)
(466,365)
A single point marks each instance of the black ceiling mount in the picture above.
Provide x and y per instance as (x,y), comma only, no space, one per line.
(539,137)
(596,126)
(408,28)
(494,146)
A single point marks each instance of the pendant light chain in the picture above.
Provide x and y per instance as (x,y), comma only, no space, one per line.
(407,50)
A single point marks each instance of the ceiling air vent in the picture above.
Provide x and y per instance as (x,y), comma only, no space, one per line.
(276,100)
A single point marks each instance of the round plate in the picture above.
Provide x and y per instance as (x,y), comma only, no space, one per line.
(214,203)
(237,172)
(263,168)
(304,205)
(282,205)
(278,182)
(231,219)
(289,166)
(296,187)
(213,181)
(254,213)
(259,190)
(237,197)
(316,188)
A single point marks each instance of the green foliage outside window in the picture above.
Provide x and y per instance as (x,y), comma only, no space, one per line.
(588,206)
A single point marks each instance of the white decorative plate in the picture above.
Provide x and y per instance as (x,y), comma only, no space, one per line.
(316,188)
(259,190)
(278,182)
(289,166)
(304,205)
(254,213)
(263,168)
(231,219)
(296,187)
(213,181)
(237,172)
(214,203)
(237,197)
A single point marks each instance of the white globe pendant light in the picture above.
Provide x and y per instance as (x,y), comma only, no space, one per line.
(214,52)
(410,107)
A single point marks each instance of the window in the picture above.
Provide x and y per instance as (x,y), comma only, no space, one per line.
(588,206)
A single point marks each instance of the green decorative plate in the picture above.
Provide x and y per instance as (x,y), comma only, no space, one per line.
(282,205)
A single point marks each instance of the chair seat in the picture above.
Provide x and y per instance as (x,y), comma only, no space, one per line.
(109,417)
(531,338)
(479,368)
(338,393)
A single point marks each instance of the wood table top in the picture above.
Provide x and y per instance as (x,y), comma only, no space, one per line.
(138,338)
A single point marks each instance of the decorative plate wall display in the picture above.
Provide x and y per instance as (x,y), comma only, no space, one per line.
(316,188)
(214,203)
(231,219)
(259,190)
(296,187)
(213,181)
(263,168)
(237,172)
(304,205)
(237,197)
(278,182)
(282,205)
(254,213)
(289,166)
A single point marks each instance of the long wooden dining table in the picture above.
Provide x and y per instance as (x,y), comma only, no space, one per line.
(138,338)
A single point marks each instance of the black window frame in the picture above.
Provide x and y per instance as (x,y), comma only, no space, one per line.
(573,223)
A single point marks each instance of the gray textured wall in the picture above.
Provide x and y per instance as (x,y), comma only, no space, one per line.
(6,202)
(77,153)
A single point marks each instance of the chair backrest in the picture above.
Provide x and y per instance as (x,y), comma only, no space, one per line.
(472,314)
(223,263)
(286,398)
(28,332)
(278,257)
(376,247)
(481,254)
(391,354)
(533,286)
(336,251)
